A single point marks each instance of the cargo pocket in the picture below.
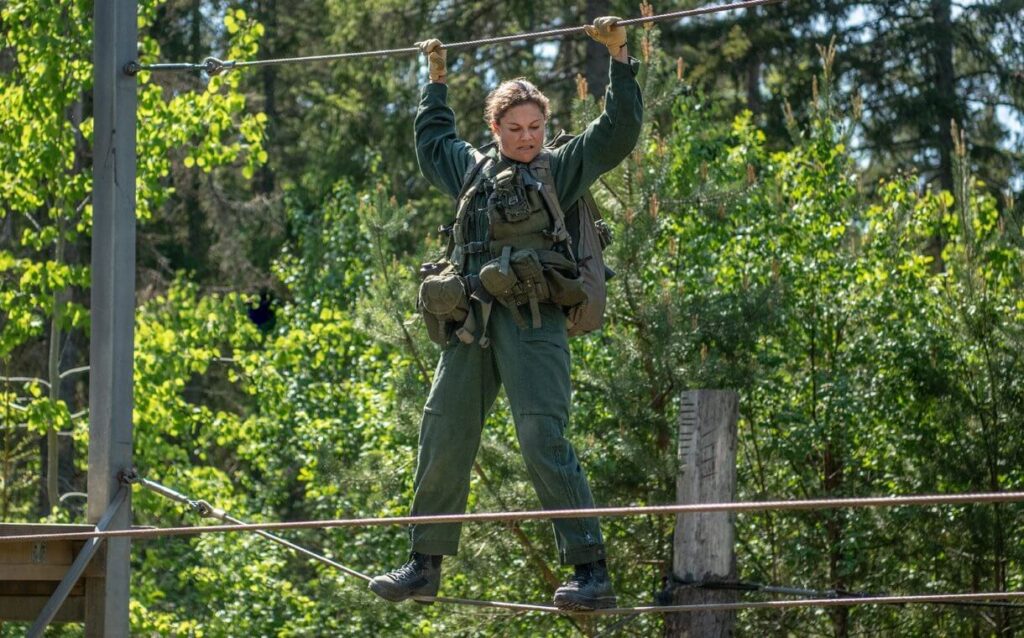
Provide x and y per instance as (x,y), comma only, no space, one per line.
(544,366)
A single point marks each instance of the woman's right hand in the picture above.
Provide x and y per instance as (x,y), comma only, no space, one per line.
(436,58)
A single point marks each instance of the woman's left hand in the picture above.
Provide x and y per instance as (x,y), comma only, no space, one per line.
(607,31)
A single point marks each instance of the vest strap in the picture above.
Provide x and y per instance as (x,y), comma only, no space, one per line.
(506,254)
(541,169)
(534,305)
(466,330)
(485,316)
(475,247)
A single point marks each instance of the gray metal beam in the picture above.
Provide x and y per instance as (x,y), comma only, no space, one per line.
(113,302)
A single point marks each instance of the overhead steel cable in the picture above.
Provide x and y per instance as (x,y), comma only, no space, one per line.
(213,66)
(607,512)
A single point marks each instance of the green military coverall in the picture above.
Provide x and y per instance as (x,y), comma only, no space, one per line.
(532,364)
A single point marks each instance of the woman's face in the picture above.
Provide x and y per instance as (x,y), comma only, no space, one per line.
(520,132)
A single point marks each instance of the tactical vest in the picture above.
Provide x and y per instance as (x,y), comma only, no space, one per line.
(522,208)
(531,251)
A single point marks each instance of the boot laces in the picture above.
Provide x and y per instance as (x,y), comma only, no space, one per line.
(588,573)
(408,570)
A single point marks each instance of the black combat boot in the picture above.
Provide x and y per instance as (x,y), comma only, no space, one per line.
(421,576)
(588,589)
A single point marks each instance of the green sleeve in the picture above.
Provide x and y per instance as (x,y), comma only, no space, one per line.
(606,141)
(442,156)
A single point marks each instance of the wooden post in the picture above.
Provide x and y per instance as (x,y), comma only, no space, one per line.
(703,543)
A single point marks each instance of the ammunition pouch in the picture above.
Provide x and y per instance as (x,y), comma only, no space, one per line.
(532,277)
(443,302)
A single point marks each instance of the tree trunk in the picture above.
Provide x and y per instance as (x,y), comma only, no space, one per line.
(53,372)
(195,35)
(945,87)
(268,16)
(754,66)
(945,105)
(832,467)
(595,66)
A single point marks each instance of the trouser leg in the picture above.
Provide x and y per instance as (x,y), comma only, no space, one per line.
(464,388)
(534,367)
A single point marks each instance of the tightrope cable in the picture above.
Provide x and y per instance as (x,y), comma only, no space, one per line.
(205,509)
(845,601)
(815,598)
(213,66)
(744,586)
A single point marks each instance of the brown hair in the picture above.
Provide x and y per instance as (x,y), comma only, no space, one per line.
(513,93)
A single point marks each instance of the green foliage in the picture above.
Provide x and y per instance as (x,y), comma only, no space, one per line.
(867,362)
(859,364)
(47,180)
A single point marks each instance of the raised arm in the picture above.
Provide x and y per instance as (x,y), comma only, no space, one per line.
(443,158)
(613,135)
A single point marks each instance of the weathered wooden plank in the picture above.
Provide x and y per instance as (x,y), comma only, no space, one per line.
(27,608)
(43,560)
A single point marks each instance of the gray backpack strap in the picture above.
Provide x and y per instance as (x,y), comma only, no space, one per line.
(540,168)
(592,235)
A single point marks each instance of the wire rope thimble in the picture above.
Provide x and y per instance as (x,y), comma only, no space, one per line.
(214,66)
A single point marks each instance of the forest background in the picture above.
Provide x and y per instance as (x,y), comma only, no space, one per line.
(824,213)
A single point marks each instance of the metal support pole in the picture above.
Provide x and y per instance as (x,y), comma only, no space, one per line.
(113,303)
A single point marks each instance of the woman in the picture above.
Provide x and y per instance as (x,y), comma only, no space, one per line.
(497,345)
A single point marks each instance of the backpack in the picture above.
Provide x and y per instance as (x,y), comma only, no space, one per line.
(590,235)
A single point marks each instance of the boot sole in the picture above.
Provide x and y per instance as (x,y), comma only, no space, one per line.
(390,594)
(573,603)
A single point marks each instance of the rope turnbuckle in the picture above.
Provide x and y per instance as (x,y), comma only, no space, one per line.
(214,66)
(204,509)
(211,66)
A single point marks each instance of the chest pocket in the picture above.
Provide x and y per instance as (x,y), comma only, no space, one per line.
(517,217)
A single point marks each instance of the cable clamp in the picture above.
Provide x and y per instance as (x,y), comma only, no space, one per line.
(129,476)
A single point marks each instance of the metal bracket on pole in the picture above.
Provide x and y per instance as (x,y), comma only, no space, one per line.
(77,568)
